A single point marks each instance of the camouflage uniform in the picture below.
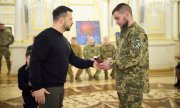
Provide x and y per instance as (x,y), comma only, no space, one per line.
(89,52)
(77,51)
(6,39)
(106,51)
(131,65)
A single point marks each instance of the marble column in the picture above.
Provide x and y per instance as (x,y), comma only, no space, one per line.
(18,27)
(169,20)
(175,20)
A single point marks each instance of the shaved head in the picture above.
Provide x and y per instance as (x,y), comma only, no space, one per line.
(106,40)
(105,37)
(121,8)
(91,40)
(73,40)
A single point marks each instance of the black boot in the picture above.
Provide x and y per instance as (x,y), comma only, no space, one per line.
(177,83)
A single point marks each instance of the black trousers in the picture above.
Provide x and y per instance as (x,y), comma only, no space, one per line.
(29,101)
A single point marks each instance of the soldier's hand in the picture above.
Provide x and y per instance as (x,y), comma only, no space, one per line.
(106,64)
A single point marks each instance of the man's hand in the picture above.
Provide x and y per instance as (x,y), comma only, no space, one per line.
(40,95)
(106,64)
(96,65)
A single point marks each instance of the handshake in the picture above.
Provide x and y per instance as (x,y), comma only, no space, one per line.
(100,64)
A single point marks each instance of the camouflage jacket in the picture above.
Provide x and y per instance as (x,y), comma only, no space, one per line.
(6,38)
(77,50)
(90,51)
(107,51)
(131,60)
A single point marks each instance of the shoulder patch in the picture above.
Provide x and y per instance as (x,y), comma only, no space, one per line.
(137,43)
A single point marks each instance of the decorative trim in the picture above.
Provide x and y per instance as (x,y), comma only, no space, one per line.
(36,25)
(162,72)
(176,0)
(158,16)
(7,2)
(156,36)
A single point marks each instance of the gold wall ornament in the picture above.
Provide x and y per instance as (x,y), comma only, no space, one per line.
(7,2)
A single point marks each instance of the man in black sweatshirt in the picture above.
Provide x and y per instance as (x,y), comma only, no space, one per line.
(51,54)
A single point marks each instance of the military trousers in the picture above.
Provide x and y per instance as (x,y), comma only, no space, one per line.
(89,73)
(112,74)
(4,51)
(130,100)
(96,75)
(70,72)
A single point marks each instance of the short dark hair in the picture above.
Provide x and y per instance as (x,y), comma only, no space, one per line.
(122,7)
(28,50)
(60,11)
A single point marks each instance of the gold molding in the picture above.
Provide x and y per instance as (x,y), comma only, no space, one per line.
(176,0)
(157,36)
(7,2)
(159,15)
(94,4)
(162,72)
(33,17)
(78,3)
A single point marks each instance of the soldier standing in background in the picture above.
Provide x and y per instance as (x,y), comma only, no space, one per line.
(131,60)
(106,51)
(77,51)
(6,39)
(89,52)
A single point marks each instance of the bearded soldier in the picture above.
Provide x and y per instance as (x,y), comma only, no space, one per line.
(131,60)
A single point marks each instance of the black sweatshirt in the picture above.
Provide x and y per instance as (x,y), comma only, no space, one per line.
(50,56)
(23,80)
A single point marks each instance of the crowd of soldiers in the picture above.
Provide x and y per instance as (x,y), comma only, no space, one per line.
(104,51)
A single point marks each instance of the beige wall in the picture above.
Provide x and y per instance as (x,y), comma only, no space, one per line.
(160,22)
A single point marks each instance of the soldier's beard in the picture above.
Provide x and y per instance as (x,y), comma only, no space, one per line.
(125,25)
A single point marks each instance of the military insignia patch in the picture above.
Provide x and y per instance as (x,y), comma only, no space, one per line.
(137,43)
